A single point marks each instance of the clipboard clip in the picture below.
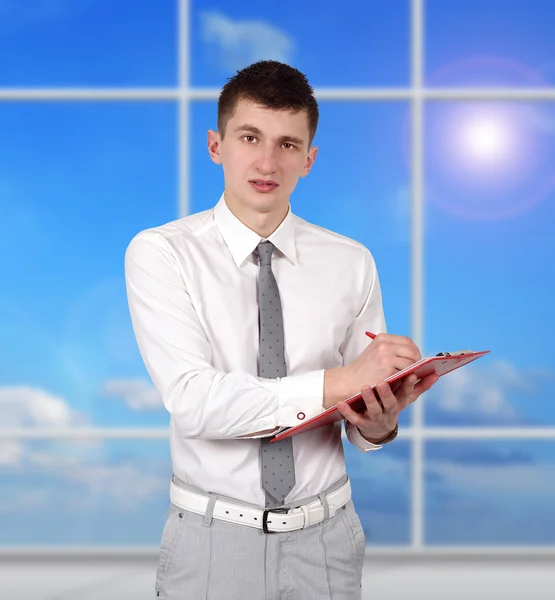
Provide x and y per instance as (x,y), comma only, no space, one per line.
(459,353)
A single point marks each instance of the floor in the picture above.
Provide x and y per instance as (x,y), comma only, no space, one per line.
(394,578)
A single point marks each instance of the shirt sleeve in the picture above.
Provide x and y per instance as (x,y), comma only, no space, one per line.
(369,318)
(202,401)
(355,437)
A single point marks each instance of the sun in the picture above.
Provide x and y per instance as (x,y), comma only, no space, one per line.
(486,139)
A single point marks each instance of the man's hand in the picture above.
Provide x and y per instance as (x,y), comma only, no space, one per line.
(385,356)
(381,414)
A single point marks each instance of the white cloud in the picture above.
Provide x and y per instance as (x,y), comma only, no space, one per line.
(11,453)
(32,499)
(24,406)
(82,468)
(505,372)
(28,407)
(138,394)
(114,481)
(80,475)
(481,393)
(242,42)
(528,479)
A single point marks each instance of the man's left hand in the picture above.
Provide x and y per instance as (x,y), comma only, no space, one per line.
(375,422)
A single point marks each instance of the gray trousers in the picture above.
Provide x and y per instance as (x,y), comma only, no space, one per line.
(208,559)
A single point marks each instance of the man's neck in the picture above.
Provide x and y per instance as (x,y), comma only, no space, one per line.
(262,223)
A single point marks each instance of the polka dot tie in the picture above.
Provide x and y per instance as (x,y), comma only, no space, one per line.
(276,460)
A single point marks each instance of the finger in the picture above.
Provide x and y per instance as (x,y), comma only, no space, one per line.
(410,344)
(403,345)
(399,351)
(370,396)
(405,393)
(390,364)
(422,386)
(388,400)
(400,363)
(425,384)
(349,414)
(374,405)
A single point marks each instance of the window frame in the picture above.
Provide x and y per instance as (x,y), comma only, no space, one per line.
(418,96)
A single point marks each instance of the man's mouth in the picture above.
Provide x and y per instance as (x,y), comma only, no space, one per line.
(262,185)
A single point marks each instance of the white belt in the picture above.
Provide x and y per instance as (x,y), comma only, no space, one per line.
(270,520)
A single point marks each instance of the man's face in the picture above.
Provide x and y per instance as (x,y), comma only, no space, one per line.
(263,154)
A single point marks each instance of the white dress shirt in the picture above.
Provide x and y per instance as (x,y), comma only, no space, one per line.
(192,292)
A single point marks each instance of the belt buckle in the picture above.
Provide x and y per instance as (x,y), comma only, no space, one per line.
(265,518)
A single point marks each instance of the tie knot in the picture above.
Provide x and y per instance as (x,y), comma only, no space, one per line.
(265,250)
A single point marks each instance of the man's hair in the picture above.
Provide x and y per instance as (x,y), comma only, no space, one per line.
(271,84)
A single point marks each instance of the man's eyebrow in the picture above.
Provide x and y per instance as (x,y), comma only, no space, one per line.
(282,139)
(247,127)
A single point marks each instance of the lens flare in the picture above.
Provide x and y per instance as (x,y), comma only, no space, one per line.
(488,159)
(486,140)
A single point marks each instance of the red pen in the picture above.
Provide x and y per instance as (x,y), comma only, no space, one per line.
(370,334)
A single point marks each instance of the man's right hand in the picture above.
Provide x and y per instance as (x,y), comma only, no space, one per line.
(384,356)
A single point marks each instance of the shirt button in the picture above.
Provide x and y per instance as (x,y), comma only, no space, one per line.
(300,416)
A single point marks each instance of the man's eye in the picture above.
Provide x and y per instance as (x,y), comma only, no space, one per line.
(288,145)
(250,138)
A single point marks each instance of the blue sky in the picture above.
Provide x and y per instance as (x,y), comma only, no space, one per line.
(78,180)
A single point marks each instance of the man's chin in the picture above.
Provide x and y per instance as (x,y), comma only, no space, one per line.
(268,202)
(250,199)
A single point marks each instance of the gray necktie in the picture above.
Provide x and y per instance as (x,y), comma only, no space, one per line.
(276,460)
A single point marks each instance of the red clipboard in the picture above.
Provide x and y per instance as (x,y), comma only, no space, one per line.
(443,363)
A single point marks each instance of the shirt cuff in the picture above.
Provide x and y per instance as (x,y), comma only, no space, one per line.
(300,397)
(262,435)
(355,437)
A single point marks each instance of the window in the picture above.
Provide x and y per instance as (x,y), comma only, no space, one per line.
(436,141)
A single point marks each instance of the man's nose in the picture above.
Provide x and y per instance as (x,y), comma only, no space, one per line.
(267,161)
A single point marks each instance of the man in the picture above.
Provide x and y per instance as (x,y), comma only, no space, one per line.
(250,319)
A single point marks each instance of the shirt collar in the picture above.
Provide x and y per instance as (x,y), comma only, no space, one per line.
(242,241)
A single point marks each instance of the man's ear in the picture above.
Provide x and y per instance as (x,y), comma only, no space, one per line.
(214,141)
(312,153)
